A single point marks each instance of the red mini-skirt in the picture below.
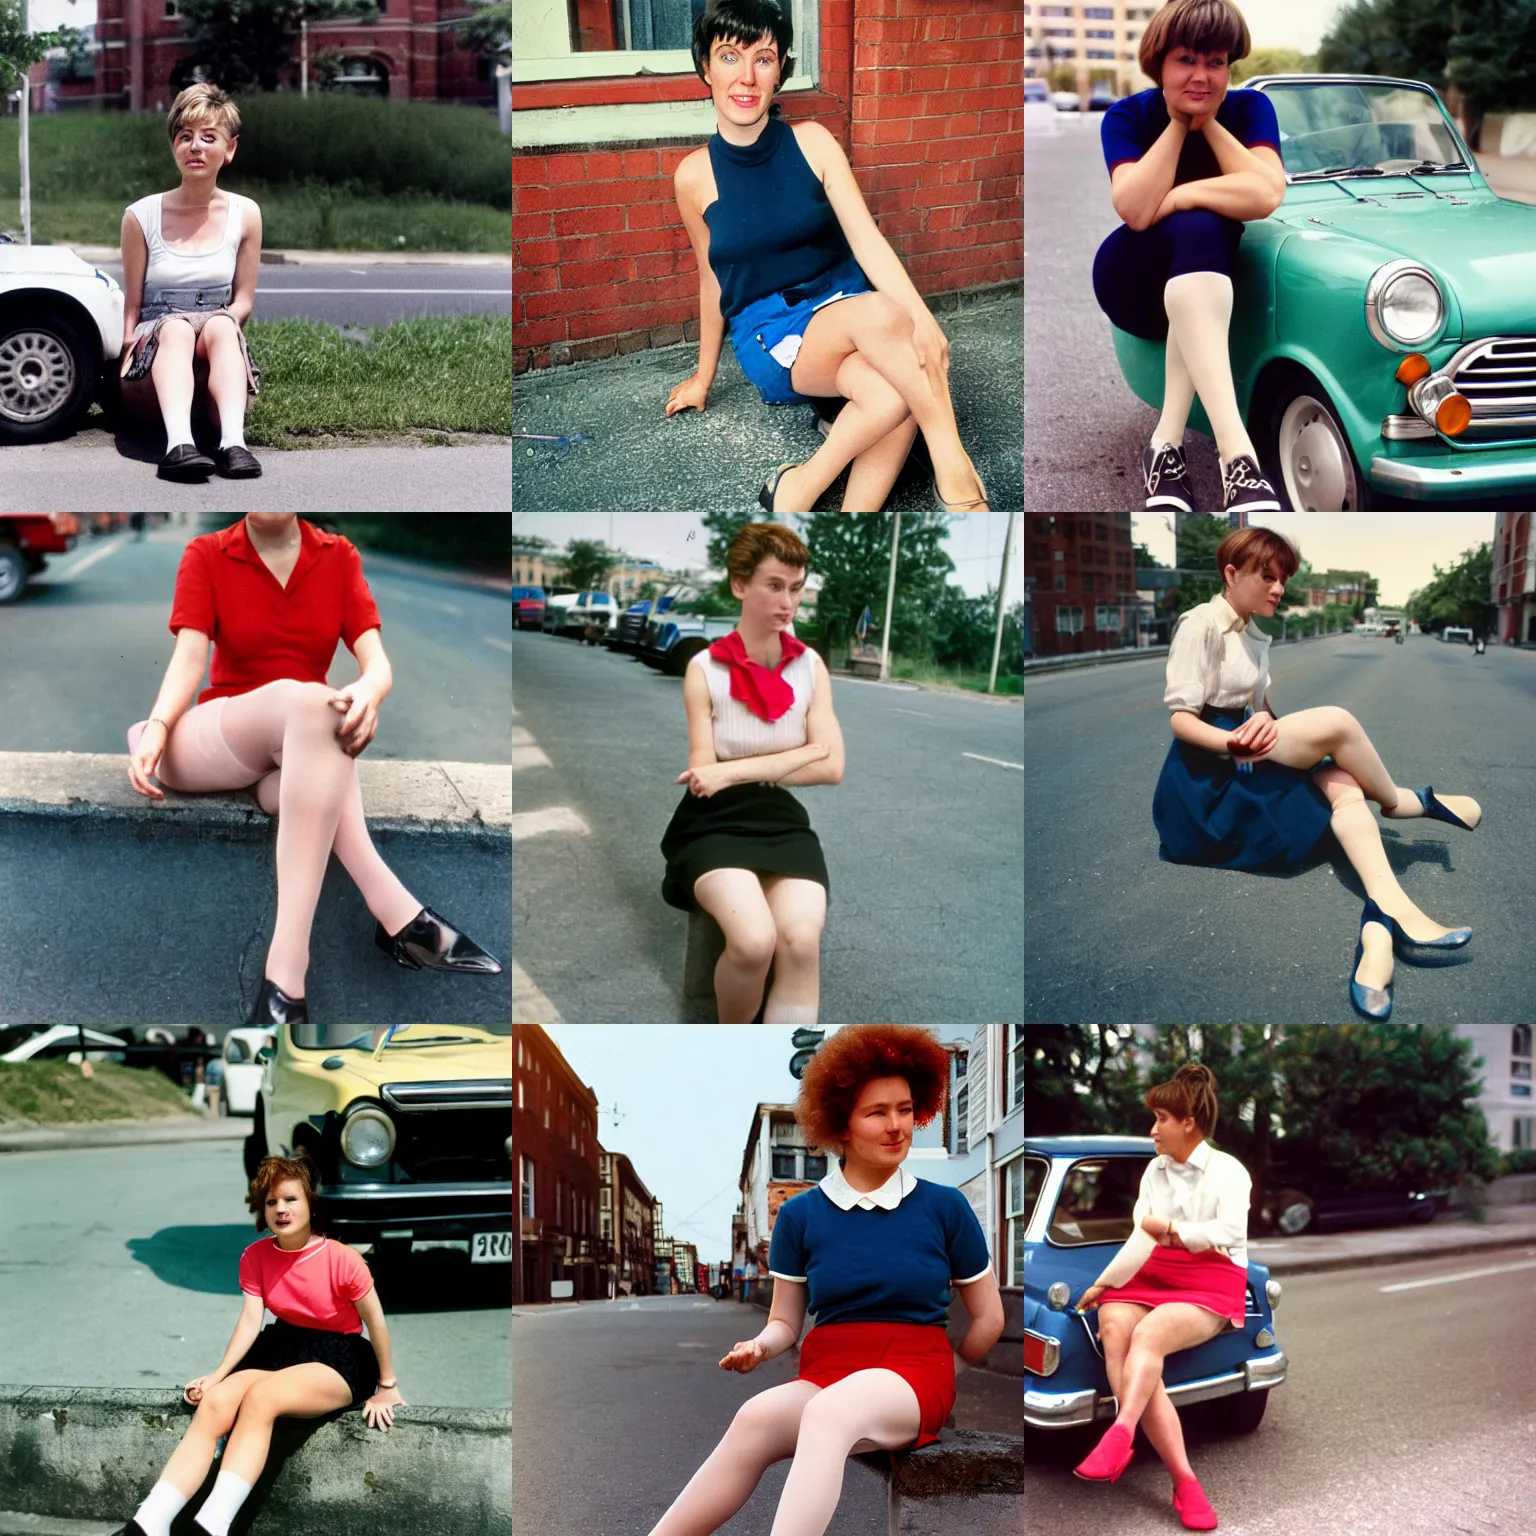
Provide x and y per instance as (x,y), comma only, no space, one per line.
(1206,1280)
(918,1352)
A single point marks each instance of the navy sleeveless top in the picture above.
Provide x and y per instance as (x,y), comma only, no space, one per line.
(771,227)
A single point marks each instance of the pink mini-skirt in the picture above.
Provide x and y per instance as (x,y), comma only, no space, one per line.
(1206,1280)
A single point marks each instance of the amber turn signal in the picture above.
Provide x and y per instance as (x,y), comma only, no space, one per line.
(1412,368)
(1453,415)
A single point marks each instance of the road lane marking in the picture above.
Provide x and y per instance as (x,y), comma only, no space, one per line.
(528,757)
(922,714)
(554,818)
(498,642)
(996,761)
(88,561)
(529,1005)
(1466,1274)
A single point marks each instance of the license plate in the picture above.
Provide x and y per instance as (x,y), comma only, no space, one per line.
(490,1248)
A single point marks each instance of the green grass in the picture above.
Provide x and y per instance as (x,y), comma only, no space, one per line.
(54,1093)
(954,677)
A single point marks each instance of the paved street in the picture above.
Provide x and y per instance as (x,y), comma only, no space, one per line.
(637,1386)
(1406,1412)
(1114,934)
(923,841)
(121,1270)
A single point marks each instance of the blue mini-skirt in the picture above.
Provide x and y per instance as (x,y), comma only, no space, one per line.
(765,336)
(1207,812)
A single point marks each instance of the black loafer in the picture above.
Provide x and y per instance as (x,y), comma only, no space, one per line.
(429,941)
(273,1006)
(237,463)
(184,462)
(133,1528)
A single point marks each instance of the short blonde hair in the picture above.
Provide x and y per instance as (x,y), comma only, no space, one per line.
(203,103)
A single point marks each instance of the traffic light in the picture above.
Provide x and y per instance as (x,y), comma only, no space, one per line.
(805,1042)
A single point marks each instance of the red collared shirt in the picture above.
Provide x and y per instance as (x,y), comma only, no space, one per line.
(262,631)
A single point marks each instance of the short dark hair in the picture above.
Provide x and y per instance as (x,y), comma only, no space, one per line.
(743,21)
(1203,26)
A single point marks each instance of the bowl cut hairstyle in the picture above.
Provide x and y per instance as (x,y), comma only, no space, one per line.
(275,1170)
(1189,1095)
(199,104)
(1205,26)
(764,541)
(744,22)
(857,1054)
(1253,547)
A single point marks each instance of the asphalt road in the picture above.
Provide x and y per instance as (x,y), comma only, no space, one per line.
(86,647)
(1406,1412)
(637,1386)
(1114,934)
(923,841)
(121,1270)
(1085,430)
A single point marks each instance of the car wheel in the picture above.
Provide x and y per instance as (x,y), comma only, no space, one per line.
(680,656)
(256,1142)
(1242,1413)
(1293,1212)
(13,573)
(1311,454)
(46,372)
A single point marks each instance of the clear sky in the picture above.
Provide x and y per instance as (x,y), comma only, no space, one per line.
(1296,24)
(974,541)
(1400,549)
(45,15)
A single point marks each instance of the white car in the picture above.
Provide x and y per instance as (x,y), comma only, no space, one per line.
(242,1072)
(595,609)
(1456,632)
(555,604)
(59,1042)
(61,338)
(1065,101)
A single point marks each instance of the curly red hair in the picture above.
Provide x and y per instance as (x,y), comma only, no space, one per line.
(274,1170)
(857,1054)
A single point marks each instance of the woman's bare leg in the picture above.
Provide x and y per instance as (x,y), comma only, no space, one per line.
(763,1432)
(219,342)
(1165,1330)
(172,375)
(1160,1419)
(875,470)
(799,909)
(734,898)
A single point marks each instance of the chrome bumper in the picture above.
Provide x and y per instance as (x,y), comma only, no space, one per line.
(1061,1410)
(1416,482)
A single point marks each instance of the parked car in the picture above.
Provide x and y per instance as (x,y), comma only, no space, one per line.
(1456,632)
(630,629)
(58,1042)
(1079,1195)
(26,542)
(1036,90)
(242,1071)
(61,337)
(410,1125)
(1298,1200)
(678,637)
(1065,101)
(591,616)
(1383,335)
(527,607)
(555,604)
(1101,99)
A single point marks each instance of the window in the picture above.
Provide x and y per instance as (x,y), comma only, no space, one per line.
(559,1202)
(815,1166)
(1061,582)
(1099,13)
(1013,1221)
(1100,32)
(1060,554)
(546,1117)
(1069,621)
(962,1119)
(1522,1130)
(528,1187)
(1520,1061)
(784,1163)
(1013,1067)
(1101,53)
(1061,31)
(1056,10)
(1106,618)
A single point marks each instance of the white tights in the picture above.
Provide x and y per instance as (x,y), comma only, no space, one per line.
(1197,361)
(282,738)
(820,1427)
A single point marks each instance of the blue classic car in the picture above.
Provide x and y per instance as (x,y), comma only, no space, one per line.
(1079,1193)
(1383,333)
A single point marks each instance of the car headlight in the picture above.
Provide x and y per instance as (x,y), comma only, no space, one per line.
(1272,1293)
(1404,307)
(368,1138)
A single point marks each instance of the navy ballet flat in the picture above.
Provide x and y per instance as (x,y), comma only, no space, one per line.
(1403,945)
(1433,808)
(1371,1002)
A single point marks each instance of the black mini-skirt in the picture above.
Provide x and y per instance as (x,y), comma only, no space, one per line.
(760,827)
(281,1344)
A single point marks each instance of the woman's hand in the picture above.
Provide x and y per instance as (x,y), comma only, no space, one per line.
(692,391)
(127,360)
(1173,202)
(1155,1226)
(379,1410)
(361,704)
(144,762)
(1255,738)
(745,1357)
(196,1390)
(706,779)
(930,343)
(1090,1298)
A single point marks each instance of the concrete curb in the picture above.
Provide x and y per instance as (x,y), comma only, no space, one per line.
(1472,1242)
(81,1453)
(22,1137)
(963,1461)
(284,258)
(13,1524)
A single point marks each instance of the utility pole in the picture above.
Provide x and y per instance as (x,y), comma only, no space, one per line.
(1002,599)
(890,604)
(303,55)
(26,148)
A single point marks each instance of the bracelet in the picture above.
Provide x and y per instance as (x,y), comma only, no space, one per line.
(389,1386)
(156,720)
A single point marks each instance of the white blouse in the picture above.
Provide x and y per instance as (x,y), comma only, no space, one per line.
(1216,659)
(740,733)
(1207,1196)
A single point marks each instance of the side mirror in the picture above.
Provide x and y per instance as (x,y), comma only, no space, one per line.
(264,1055)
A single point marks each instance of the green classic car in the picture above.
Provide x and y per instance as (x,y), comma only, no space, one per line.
(1384,320)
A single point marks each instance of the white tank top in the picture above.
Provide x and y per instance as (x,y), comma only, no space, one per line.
(177,269)
(740,733)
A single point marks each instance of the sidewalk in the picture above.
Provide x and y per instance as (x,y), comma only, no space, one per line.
(23,1136)
(1506,1227)
(101,253)
(12,1524)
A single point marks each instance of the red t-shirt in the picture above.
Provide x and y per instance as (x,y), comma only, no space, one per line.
(261,631)
(317,1286)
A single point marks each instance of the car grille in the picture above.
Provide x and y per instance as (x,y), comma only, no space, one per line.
(1498,377)
(451,1132)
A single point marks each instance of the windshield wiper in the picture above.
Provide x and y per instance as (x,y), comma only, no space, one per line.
(1430,167)
(1340,170)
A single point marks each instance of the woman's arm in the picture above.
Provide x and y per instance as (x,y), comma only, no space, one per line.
(701,718)
(1228,1228)
(247,262)
(1234,157)
(821,729)
(135,264)
(1138,188)
(780,1332)
(364,696)
(240,1340)
(984,1302)
(372,1313)
(374,664)
(1189,727)
(1242,195)
(188,663)
(695,391)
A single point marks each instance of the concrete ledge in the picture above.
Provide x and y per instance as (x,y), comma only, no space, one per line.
(963,1461)
(81,1454)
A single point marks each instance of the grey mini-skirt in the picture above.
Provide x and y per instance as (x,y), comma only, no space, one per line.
(197,306)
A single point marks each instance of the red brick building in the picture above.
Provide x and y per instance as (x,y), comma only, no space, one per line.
(1079,583)
(627,1224)
(925,97)
(409,54)
(1514,578)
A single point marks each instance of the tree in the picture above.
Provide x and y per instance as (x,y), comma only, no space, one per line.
(1062,77)
(723,528)
(1493,54)
(587,564)
(1461,595)
(20,49)
(1407,38)
(244,45)
(1145,560)
(1067,1078)
(1271,61)
(489,29)
(1199,538)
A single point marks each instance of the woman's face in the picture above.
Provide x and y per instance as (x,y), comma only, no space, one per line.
(743,78)
(1175,1137)
(271,525)
(1256,588)
(202,152)
(287,1211)
(1195,82)
(880,1126)
(772,597)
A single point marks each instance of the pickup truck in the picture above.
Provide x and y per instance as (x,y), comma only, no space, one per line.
(26,543)
(672,640)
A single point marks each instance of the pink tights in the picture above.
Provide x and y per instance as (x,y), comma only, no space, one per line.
(282,738)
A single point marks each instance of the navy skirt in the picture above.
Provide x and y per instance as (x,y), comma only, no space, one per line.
(1207,812)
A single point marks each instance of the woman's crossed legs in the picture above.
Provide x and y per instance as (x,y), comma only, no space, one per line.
(766,920)
(820,1427)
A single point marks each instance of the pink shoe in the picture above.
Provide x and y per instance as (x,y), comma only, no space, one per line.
(1109,1458)
(1192,1507)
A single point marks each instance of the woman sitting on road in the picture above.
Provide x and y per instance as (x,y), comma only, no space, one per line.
(1189,162)
(815,300)
(311,1362)
(1180,1279)
(1241,789)
(190,259)
(760,718)
(277,595)
(873,1252)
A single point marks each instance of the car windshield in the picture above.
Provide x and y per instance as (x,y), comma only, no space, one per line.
(1348,129)
(348,1037)
(1097,1201)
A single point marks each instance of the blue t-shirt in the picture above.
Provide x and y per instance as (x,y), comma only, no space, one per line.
(879,1266)
(1135,123)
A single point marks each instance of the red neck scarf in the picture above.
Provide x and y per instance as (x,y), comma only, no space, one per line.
(762,689)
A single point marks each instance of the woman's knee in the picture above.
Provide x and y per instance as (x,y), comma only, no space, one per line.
(750,943)
(885,315)
(217,332)
(799,938)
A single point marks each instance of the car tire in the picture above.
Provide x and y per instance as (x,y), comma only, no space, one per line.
(1307,452)
(1242,1413)
(1293,1213)
(680,655)
(256,1142)
(48,371)
(13,573)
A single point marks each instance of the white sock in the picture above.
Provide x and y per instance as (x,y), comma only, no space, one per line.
(178,426)
(162,1506)
(233,437)
(790,1013)
(222,1505)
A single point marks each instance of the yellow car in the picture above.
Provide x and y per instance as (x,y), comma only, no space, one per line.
(411,1126)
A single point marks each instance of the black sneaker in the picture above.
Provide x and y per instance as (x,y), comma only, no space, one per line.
(1166,477)
(1244,489)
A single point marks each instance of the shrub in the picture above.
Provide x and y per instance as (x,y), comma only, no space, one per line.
(1521,1160)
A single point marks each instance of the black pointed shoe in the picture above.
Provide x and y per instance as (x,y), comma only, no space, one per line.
(237,462)
(428,941)
(273,1006)
(133,1528)
(184,462)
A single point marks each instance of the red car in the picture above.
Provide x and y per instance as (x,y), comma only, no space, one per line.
(25,544)
(528,605)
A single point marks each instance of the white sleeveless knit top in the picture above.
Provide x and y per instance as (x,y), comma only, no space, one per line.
(738,732)
(177,269)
